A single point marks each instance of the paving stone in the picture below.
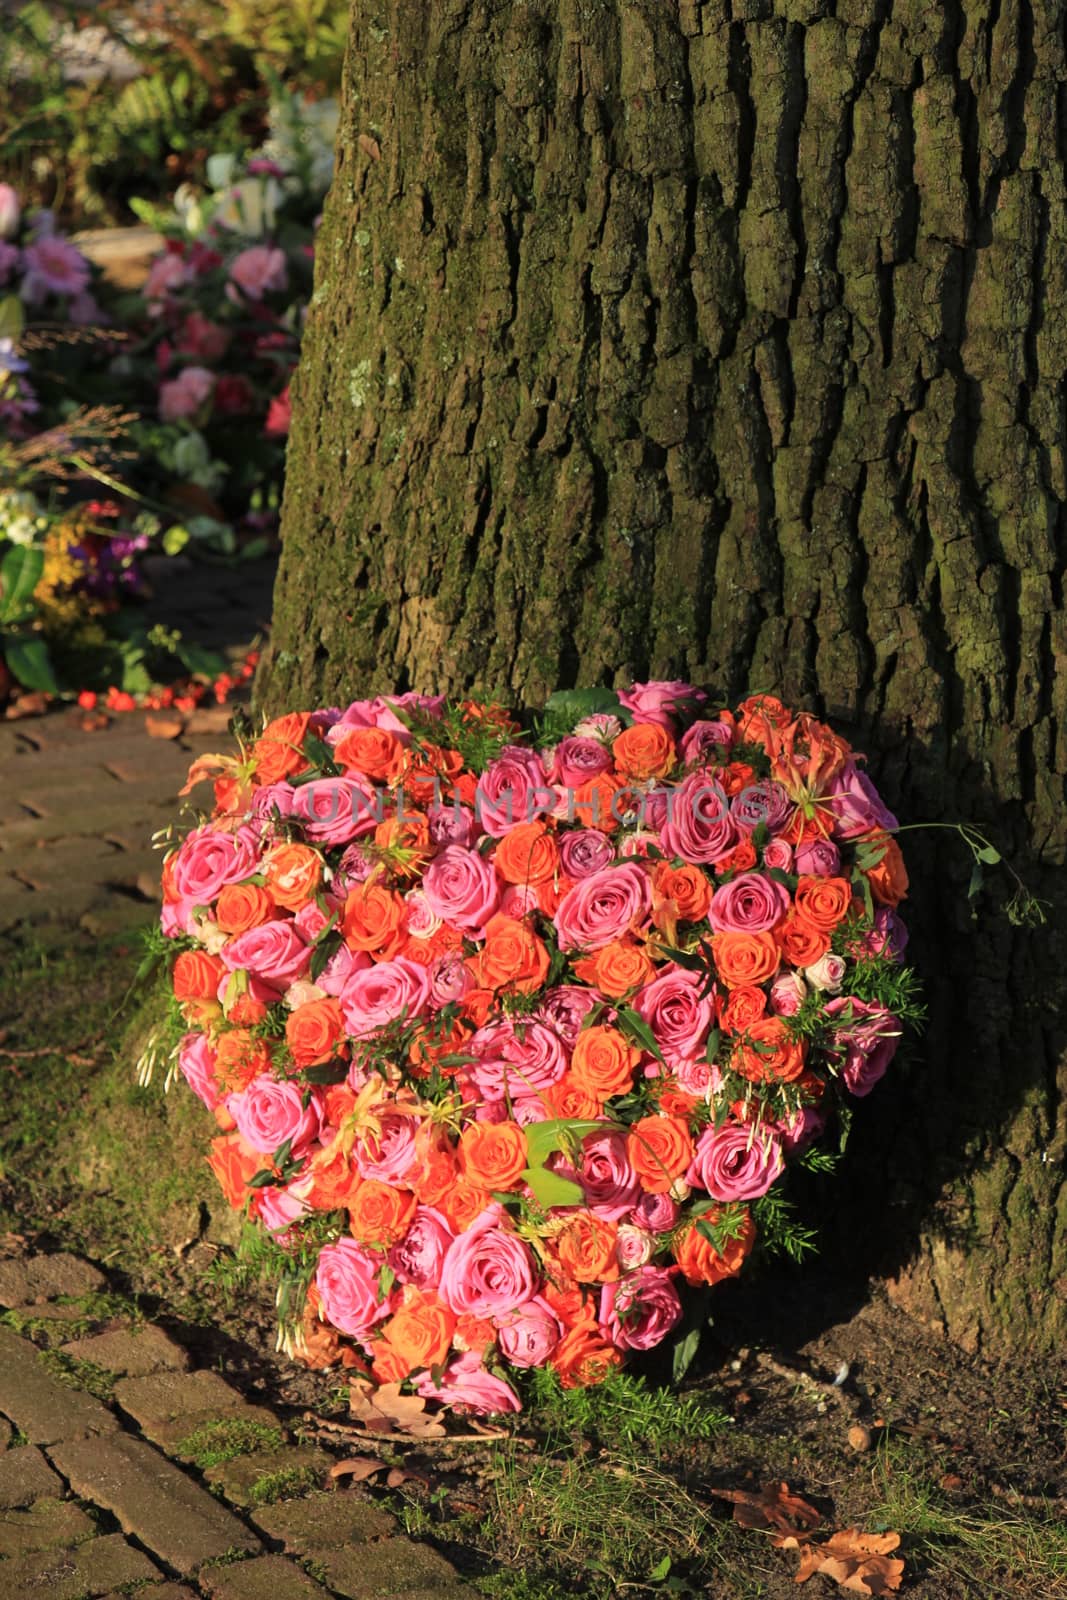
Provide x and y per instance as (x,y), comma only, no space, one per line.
(238,1479)
(323,1521)
(164,1591)
(171,1435)
(6,1431)
(80,1574)
(264,1578)
(393,1566)
(133,1352)
(154,1500)
(163,1396)
(25,1476)
(45,1277)
(44,1525)
(44,1408)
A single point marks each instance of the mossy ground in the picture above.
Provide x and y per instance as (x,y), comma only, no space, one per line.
(593,1493)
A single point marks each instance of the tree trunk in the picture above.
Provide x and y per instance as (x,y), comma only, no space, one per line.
(727,341)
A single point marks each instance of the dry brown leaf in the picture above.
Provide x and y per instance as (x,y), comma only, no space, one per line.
(357,1468)
(776,1506)
(396,1477)
(857,1561)
(370,146)
(383,1409)
(207,767)
(209,719)
(165,727)
(34,703)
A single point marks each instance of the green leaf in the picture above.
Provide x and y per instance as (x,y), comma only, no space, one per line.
(545,1138)
(28,661)
(326,1072)
(20,573)
(202,663)
(579,703)
(682,1358)
(636,1028)
(974,887)
(11,317)
(989,855)
(711,1049)
(662,1568)
(549,1189)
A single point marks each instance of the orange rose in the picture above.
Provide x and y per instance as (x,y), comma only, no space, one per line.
(277,753)
(584,1357)
(739,860)
(315,1032)
(421,1331)
(686,886)
(426,768)
(643,751)
(570,1099)
(736,776)
(293,873)
(240,1057)
(378,1213)
(889,879)
(596,805)
(823,902)
(512,957)
(768,1051)
(233,1164)
(800,941)
(586,1248)
(528,854)
(660,1150)
(474,1333)
(758,717)
(388,1365)
(744,1006)
(376,752)
(603,1062)
(493,1154)
(197,975)
(435,1171)
(462,1203)
(410,833)
(674,1102)
(241,906)
(618,968)
(334,1178)
(373,920)
(478,1006)
(701,1262)
(747,958)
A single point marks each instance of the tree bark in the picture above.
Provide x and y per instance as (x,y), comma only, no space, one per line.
(727,341)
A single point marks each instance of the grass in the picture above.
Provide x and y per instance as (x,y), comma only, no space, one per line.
(79,1374)
(215,1442)
(285,1484)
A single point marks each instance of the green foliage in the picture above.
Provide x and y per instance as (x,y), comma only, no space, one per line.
(79,1374)
(623,1413)
(285,1484)
(215,1442)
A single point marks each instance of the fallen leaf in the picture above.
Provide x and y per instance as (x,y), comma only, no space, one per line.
(857,1561)
(209,719)
(383,1409)
(357,1468)
(396,1477)
(774,1507)
(369,146)
(164,727)
(32,704)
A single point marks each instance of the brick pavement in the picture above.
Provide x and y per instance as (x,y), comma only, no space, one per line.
(78,808)
(90,1509)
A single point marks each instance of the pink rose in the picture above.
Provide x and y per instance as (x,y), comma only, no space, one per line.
(462,888)
(466,1386)
(259,270)
(382,994)
(269,1113)
(787,994)
(186,394)
(856,804)
(167,273)
(451,824)
(274,952)
(865,1041)
(516,1058)
(736,1162)
(640,1310)
(347,1281)
(196,1062)
(704,736)
(449,979)
(819,858)
(336,810)
(209,859)
(585,851)
(565,1008)
(528,1335)
(749,903)
(657,1212)
(519,900)
(658,701)
(511,790)
(342,966)
(609,1182)
(778,854)
(801,1129)
(278,1209)
(697,1078)
(634,1246)
(698,825)
(676,1011)
(765,802)
(575,761)
(199,336)
(390,1155)
(604,907)
(487,1271)
(418,1257)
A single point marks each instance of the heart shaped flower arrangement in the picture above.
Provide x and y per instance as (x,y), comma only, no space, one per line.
(509,1037)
